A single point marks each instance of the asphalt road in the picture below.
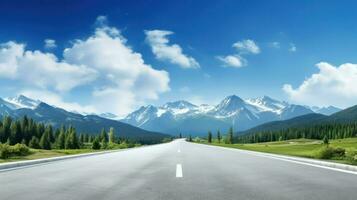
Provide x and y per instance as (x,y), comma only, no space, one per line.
(176,170)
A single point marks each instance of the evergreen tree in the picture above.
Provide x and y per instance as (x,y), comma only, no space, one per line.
(45,142)
(34,143)
(180,135)
(190,138)
(230,136)
(96,144)
(103,135)
(209,137)
(325,140)
(104,144)
(61,140)
(219,136)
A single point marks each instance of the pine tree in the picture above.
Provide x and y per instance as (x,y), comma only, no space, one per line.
(111,135)
(104,144)
(45,142)
(96,144)
(209,137)
(103,135)
(230,136)
(34,143)
(219,136)
(61,140)
(325,140)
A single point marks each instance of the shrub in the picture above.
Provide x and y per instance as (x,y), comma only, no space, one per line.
(352,156)
(96,144)
(20,150)
(330,152)
(4,151)
(7,151)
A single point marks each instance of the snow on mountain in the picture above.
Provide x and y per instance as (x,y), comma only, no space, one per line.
(325,110)
(22,101)
(109,116)
(231,111)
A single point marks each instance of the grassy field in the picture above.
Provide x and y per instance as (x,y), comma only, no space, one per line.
(40,153)
(300,147)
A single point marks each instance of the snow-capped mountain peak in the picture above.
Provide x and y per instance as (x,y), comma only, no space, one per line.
(267,103)
(22,101)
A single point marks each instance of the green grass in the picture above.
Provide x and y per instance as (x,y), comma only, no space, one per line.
(40,153)
(299,147)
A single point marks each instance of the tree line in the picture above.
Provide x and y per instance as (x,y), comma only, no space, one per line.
(41,136)
(319,132)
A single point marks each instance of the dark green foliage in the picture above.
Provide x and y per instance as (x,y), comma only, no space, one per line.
(219,137)
(190,138)
(330,152)
(229,139)
(96,144)
(34,143)
(61,140)
(45,141)
(325,140)
(104,143)
(71,139)
(318,131)
(40,136)
(209,137)
(103,135)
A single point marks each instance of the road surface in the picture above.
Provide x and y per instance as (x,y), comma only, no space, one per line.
(176,170)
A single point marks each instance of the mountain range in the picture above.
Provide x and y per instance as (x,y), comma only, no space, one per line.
(171,118)
(185,117)
(41,112)
(348,115)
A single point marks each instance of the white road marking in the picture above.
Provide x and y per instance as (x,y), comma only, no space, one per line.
(179,171)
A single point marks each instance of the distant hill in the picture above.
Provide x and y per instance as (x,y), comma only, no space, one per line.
(91,124)
(348,115)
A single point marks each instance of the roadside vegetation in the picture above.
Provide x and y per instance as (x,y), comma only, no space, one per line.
(342,150)
(25,139)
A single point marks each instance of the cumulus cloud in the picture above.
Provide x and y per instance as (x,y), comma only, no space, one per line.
(116,77)
(50,43)
(40,69)
(232,61)
(292,47)
(330,86)
(247,46)
(159,42)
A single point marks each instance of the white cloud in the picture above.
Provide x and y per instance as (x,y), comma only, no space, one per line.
(159,42)
(275,45)
(50,43)
(236,60)
(247,47)
(330,86)
(43,70)
(292,47)
(56,100)
(232,61)
(116,78)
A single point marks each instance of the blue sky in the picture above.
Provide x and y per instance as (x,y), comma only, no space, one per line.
(189,64)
